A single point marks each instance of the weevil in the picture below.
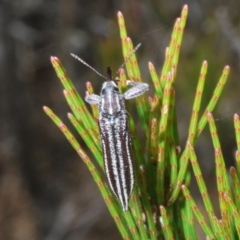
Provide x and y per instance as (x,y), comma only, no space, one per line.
(114,133)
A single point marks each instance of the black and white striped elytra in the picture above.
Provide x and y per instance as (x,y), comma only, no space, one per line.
(114,131)
(115,136)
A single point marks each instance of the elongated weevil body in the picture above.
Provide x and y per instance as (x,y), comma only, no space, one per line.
(114,132)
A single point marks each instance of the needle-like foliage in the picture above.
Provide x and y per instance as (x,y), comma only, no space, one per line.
(161,205)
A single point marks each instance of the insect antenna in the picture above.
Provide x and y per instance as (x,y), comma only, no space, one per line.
(130,55)
(86,64)
(109,71)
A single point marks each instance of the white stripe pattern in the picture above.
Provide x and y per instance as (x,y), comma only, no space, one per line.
(115,137)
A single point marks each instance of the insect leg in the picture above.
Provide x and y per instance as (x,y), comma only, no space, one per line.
(137,90)
(93,99)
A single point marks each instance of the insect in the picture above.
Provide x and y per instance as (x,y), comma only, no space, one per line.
(114,132)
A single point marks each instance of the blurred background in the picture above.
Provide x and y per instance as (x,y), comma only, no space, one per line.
(46,192)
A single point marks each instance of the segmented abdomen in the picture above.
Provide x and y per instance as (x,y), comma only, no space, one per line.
(117,152)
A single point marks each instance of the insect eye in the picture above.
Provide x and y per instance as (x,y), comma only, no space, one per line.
(115,89)
(103,91)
